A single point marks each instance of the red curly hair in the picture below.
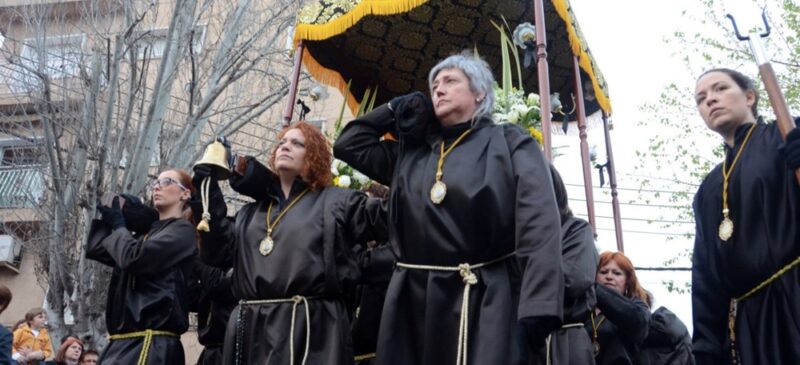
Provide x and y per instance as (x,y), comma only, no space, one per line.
(632,287)
(317,168)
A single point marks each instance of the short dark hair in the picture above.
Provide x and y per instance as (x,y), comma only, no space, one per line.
(561,195)
(745,83)
(5,297)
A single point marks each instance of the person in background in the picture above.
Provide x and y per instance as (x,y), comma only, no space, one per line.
(745,280)
(147,307)
(31,341)
(570,344)
(89,357)
(69,353)
(620,322)
(6,337)
(213,301)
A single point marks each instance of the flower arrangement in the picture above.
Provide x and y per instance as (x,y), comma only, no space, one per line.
(513,106)
(345,176)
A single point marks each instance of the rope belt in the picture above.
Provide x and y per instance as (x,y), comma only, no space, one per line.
(735,302)
(148,339)
(469,279)
(549,339)
(295,300)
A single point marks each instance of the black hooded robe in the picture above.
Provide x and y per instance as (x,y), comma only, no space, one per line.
(147,289)
(764,203)
(499,201)
(312,257)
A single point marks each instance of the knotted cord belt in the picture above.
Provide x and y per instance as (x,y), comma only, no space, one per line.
(148,339)
(469,279)
(549,339)
(735,302)
(295,300)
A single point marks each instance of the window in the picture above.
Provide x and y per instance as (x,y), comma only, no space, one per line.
(153,43)
(20,156)
(62,55)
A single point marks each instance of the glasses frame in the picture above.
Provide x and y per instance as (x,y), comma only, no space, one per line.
(169,182)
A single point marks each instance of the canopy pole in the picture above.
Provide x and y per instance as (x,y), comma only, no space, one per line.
(612,177)
(544,76)
(289,108)
(580,111)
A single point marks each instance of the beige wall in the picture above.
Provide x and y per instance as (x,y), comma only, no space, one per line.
(25,289)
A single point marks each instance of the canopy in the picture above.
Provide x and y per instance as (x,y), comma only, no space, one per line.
(391,45)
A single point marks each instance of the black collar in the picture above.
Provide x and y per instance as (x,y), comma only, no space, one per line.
(449,133)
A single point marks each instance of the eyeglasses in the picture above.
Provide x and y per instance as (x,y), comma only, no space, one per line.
(165,183)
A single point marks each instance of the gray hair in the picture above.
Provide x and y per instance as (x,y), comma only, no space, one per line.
(479,75)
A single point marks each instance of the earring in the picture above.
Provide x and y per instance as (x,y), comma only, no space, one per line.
(477,100)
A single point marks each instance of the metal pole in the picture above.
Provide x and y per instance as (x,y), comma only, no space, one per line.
(289,108)
(612,176)
(580,112)
(544,76)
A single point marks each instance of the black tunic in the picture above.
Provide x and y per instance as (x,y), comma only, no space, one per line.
(621,334)
(764,203)
(376,266)
(148,287)
(312,257)
(213,301)
(499,200)
(668,341)
(573,345)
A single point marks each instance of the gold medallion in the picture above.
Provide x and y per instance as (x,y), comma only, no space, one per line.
(726,229)
(438,191)
(266,246)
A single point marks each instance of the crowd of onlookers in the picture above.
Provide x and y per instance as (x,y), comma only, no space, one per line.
(28,342)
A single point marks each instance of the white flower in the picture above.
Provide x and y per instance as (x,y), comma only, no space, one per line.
(344,181)
(335,167)
(513,117)
(519,109)
(524,35)
(533,99)
(360,178)
(499,118)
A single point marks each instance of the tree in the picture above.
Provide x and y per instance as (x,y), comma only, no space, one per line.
(110,92)
(679,157)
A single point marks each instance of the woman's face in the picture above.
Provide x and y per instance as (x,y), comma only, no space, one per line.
(90,359)
(73,352)
(453,100)
(290,156)
(722,104)
(612,277)
(168,190)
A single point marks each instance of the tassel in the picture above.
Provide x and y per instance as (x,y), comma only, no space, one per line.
(204,187)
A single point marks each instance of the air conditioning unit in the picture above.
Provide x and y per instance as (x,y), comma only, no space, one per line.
(9,252)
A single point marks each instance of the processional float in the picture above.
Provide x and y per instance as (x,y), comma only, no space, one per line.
(390,46)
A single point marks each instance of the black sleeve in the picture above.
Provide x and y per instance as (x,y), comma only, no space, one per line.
(538,229)
(254,181)
(364,218)
(94,250)
(579,259)
(377,264)
(630,315)
(709,303)
(361,147)
(161,251)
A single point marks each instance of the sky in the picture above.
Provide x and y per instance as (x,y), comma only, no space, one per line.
(627,50)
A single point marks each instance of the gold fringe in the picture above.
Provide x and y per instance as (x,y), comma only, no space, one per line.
(364,357)
(584,61)
(318,32)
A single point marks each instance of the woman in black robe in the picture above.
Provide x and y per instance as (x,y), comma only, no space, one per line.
(293,277)
(473,223)
(757,236)
(147,307)
(570,344)
(620,322)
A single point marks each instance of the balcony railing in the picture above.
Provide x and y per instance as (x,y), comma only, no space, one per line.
(20,187)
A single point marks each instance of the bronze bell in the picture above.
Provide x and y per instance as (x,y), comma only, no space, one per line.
(217,157)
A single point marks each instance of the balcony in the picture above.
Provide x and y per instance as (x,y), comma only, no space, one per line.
(16,3)
(20,187)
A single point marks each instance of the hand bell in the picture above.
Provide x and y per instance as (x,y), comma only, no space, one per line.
(216,156)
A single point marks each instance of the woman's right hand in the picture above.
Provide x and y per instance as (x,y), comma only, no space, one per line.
(412,112)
